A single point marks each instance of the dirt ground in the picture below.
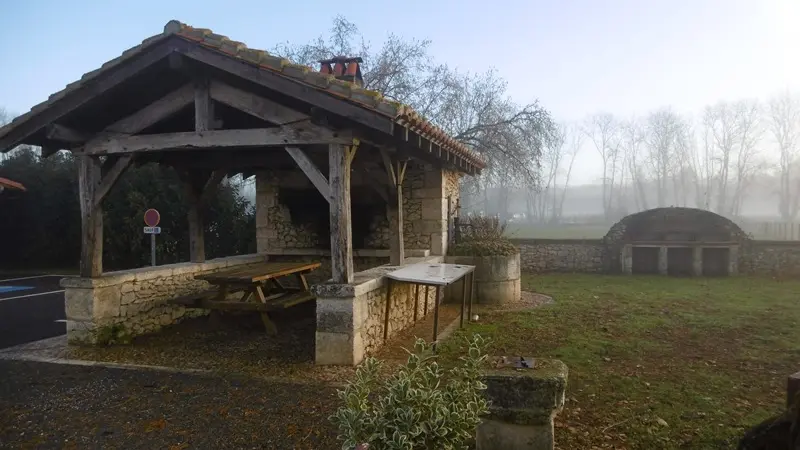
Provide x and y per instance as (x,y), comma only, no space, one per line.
(240,345)
(46,405)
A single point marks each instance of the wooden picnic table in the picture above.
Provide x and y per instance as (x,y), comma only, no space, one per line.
(260,282)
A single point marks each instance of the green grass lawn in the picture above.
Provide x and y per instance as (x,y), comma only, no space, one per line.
(709,357)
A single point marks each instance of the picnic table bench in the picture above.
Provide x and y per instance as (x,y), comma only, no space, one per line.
(260,282)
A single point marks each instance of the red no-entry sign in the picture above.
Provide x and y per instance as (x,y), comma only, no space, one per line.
(152,217)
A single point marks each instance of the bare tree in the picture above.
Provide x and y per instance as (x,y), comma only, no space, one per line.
(602,129)
(573,140)
(748,163)
(666,135)
(473,108)
(632,138)
(784,125)
(720,123)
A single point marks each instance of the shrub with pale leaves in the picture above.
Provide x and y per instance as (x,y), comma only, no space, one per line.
(420,407)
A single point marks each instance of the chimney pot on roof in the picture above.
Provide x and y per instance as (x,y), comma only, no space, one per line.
(344,68)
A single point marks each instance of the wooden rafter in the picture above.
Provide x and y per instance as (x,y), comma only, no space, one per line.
(254,105)
(78,96)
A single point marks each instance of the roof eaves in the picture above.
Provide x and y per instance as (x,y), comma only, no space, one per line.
(88,76)
(400,113)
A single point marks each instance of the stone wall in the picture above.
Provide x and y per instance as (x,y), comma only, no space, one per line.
(425,191)
(274,226)
(350,317)
(133,302)
(401,313)
(560,255)
(590,256)
(770,258)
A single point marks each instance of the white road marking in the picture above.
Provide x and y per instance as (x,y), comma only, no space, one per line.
(60,321)
(30,278)
(31,295)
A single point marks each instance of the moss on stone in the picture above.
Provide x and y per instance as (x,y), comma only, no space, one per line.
(485,247)
(112,334)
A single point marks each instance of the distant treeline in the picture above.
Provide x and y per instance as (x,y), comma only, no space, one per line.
(41,227)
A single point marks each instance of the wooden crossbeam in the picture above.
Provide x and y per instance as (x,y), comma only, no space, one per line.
(255,137)
(254,105)
(312,172)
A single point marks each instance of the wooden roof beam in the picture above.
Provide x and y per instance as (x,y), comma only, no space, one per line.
(255,137)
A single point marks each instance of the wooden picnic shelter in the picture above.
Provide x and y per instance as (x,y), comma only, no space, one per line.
(211,107)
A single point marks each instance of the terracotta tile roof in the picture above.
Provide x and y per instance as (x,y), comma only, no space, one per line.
(5,183)
(401,114)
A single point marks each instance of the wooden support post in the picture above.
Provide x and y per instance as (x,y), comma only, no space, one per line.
(91,217)
(436,317)
(339,158)
(197,185)
(194,182)
(197,241)
(394,208)
(387,309)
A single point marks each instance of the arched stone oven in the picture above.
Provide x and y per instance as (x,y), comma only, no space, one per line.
(674,241)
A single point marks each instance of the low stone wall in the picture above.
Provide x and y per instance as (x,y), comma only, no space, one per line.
(560,255)
(350,317)
(770,258)
(129,303)
(593,256)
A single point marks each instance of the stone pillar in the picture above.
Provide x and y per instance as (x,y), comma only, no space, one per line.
(434,209)
(340,318)
(266,198)
(90,304)
(697,261)
(733,261)
(663,260)
(793,390)
(523,404)
(627,259)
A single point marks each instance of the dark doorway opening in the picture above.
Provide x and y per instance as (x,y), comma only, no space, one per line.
(715,261)
(645,260)
(679,261)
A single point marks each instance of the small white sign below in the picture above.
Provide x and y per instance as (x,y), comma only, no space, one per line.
(152,230)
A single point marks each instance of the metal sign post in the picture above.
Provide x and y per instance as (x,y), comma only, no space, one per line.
(151,219)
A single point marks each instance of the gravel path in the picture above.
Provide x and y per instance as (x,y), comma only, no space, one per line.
(57,406)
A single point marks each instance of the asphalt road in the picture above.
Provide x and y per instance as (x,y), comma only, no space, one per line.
(30,308)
